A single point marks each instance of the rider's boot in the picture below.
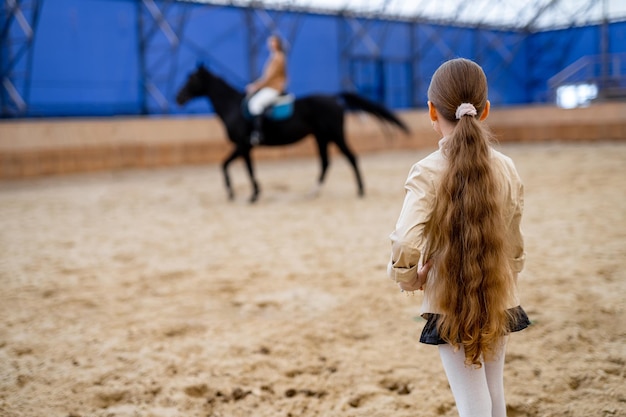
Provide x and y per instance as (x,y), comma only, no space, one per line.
(256,137)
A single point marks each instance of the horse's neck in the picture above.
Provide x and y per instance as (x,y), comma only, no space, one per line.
(225,99)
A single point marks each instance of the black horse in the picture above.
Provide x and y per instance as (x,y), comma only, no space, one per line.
(319,115)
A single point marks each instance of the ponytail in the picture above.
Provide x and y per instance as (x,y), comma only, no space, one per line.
(465,232)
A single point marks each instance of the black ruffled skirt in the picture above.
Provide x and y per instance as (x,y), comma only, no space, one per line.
(430,335)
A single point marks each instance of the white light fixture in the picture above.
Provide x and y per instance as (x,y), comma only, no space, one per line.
(576,95)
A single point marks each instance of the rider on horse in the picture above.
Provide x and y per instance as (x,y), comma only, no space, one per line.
(264,91)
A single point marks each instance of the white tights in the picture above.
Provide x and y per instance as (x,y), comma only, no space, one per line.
(477,392)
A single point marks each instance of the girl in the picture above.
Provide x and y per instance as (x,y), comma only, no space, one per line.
(458,238)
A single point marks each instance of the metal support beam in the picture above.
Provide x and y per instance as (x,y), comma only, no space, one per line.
(416,79)
(353,33)
(604,46)
(160,25)
(18,29)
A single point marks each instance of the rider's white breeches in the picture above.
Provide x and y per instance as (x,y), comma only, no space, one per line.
(261,100)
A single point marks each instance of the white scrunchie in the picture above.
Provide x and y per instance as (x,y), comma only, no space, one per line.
(466,108)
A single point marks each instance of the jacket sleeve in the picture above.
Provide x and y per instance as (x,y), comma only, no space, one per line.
(407,240)
(515,231)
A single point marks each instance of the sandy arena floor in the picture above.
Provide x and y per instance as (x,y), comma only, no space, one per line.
(146,293)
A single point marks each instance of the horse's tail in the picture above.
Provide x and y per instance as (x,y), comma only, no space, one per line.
(356,102)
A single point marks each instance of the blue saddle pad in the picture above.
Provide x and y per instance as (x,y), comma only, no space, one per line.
(281,109)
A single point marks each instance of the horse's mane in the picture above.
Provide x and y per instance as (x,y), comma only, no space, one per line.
(219,85)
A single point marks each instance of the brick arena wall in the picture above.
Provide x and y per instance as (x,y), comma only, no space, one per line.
(30,148)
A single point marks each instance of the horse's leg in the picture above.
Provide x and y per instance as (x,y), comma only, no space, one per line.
(343,147)
(322,147)
(255,185)
(225,164)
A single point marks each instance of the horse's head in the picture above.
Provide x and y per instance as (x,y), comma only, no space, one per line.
(196,85)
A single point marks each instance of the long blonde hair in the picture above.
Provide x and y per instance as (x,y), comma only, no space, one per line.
(466,230)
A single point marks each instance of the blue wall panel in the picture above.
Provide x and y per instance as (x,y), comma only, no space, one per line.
(314,56)
(617,34)
(551,51)
(501,56)
(85,59)
(88,59)
(215,37)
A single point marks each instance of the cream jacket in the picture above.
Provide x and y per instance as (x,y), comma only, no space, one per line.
(407,240)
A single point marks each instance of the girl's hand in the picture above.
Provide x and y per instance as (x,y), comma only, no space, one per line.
(420,279)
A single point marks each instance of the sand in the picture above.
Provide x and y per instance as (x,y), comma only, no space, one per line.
(147,293)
